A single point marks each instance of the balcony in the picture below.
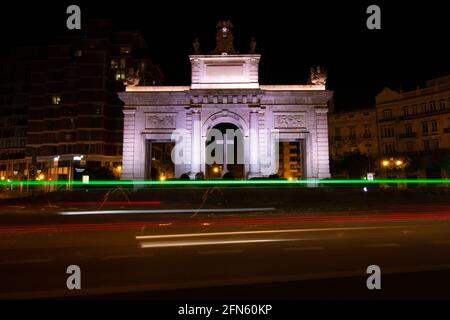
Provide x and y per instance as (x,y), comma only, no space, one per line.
(408,135)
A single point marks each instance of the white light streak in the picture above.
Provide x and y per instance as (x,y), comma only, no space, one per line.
(76,213)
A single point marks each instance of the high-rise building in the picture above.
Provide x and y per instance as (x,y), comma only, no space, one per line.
(75,119)
(15,70)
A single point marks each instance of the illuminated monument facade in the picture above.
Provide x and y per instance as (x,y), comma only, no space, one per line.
(280,124)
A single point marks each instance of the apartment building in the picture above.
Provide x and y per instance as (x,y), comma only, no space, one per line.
(415,125)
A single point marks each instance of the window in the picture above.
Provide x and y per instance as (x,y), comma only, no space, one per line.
(123,63)
(435,144)
(337,133)
(98,109)
(352,133)
(389,148)
(125,50)
(114,64)
(423,108)
(434,126)
(387,114)
(366,131)
(426,145)
(388,132)
(78,53)
(120,75)
(432,106)
(442,105)
(425,127)
(56,99)
(405,111)
(414,109)
(408,129)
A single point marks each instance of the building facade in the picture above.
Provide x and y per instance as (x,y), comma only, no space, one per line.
(353,131)
(415,126)
(225,93)
(353,143)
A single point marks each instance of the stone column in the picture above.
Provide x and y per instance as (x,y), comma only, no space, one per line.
(128,144)
(254,144)
(323,156)
(196,143)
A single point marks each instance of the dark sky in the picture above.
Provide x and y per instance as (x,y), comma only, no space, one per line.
(412,46)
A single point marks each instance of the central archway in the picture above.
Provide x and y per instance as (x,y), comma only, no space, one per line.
(226,143)
(221,121)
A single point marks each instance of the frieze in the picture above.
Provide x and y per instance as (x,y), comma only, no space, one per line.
(160,121)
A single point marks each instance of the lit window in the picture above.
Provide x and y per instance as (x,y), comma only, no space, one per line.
(78,53)
(56,99)
(114,64)
(120,75)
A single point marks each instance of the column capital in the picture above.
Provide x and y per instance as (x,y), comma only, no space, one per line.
(129,111)
(321,109)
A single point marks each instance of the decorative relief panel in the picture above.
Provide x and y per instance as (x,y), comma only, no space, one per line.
(160,121)
(290,121)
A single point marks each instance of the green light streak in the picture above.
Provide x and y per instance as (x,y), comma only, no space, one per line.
(221,182)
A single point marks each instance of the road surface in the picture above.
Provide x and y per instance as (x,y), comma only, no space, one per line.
(256,253)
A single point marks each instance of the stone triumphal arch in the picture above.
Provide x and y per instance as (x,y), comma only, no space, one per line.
(282,124)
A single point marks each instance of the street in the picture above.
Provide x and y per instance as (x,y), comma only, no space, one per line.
(246,252)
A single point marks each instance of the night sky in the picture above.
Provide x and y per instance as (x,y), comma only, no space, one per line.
(412,46)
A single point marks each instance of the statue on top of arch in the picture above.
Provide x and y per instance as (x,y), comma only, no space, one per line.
(224,38)
(318,76)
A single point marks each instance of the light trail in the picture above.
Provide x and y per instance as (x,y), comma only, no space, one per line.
(111,203)
(441,215)
(224,182)
(207,243)
(100,212)
(234,233)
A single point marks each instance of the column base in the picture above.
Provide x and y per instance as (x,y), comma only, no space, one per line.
(252,175)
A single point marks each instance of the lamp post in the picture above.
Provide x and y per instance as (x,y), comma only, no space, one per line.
(395,165)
